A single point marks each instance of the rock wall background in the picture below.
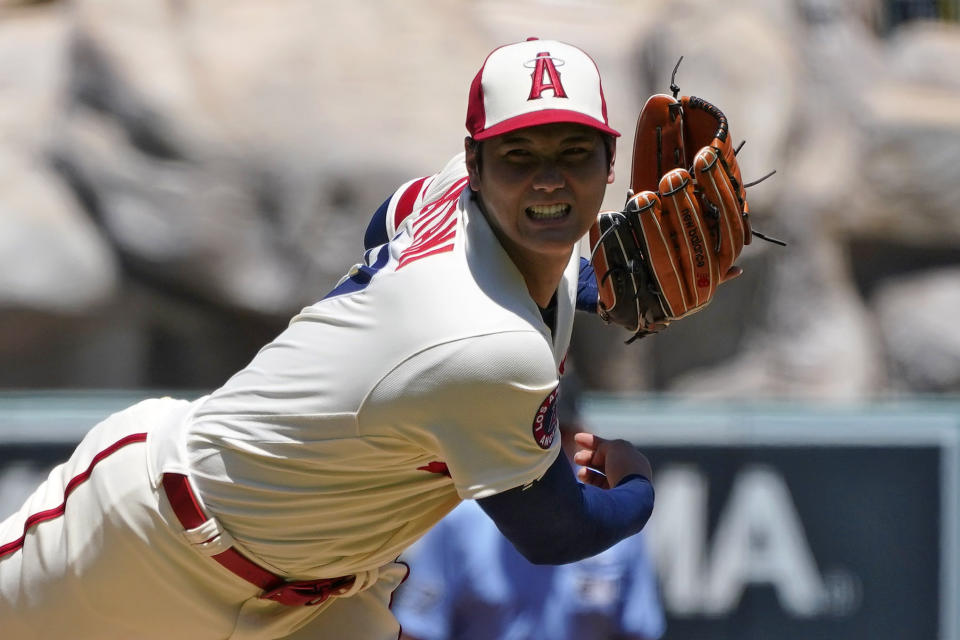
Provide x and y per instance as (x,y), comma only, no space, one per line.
(178,177)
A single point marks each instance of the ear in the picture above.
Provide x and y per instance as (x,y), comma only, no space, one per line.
(611,175)
(472,150)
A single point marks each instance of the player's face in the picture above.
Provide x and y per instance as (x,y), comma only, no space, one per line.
(541,187)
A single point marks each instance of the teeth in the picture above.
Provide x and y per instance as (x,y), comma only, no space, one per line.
(545,211)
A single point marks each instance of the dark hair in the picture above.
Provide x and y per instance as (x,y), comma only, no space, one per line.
(609,144)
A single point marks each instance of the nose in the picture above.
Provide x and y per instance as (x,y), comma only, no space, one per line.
(548,177)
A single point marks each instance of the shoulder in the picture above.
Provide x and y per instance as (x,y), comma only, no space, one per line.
(485,373)
(520,356)
(408,201)
(452,175)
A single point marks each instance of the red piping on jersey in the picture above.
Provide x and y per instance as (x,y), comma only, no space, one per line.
(436,467)
(75,482)
(405,204)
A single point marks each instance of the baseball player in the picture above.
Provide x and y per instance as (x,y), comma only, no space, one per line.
(276,506)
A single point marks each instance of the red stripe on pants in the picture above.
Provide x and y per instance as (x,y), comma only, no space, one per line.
(75,482)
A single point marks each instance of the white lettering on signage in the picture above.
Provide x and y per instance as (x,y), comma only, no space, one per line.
(759,539)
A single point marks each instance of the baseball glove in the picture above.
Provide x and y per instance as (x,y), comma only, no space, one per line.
(685,222)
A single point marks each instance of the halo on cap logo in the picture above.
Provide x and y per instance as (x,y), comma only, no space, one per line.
(533,62)
(546,423)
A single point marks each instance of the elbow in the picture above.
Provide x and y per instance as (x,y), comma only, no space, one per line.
(547,556)
(554,551)
(532,553)
(541,560)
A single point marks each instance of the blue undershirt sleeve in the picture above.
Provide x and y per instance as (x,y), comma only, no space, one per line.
(558,520)
(376,233)
(587,291)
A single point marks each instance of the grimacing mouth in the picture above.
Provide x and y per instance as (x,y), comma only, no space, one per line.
(548,211)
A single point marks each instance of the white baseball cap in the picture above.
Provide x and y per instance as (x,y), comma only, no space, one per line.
(532,83)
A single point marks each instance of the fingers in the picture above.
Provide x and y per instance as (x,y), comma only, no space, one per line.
(604,463)
(584,458)
(620,459)
(587,440)
(589,453)
(592,477)
(591,459)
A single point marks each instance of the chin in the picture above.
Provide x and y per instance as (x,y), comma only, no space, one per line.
(555,246)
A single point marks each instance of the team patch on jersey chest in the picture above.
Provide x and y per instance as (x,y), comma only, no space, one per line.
(546,422)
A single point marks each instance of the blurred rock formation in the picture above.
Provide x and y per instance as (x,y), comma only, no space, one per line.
(181,176)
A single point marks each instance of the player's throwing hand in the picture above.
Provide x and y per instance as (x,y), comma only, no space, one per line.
(604,463)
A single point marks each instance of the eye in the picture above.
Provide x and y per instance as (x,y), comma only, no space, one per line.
(576,151)
(517,155)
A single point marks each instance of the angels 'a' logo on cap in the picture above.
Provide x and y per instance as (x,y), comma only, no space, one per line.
(532,83)
(545,65)
(546,423)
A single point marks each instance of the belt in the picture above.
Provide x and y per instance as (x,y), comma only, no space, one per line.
(291,593)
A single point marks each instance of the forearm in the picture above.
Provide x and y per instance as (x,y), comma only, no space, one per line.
(558,520)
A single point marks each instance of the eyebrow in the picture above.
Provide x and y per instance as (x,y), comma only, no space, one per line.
(515,138)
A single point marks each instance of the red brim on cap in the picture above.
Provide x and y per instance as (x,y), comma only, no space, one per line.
(545,116)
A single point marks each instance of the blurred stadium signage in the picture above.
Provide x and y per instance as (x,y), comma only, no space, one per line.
(797,522)
(758,539)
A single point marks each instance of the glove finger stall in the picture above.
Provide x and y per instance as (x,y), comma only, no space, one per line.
(706,125)
(687,230)
(721,208)
(659,134)
(653,236)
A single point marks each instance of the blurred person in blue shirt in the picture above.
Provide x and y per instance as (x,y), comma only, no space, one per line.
(467,582)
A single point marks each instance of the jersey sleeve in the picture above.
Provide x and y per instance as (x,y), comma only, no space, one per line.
(485,406)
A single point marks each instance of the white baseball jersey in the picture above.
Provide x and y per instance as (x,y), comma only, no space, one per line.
(425,377)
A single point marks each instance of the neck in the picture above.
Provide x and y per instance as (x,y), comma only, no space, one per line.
(542,282)
(542,272)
